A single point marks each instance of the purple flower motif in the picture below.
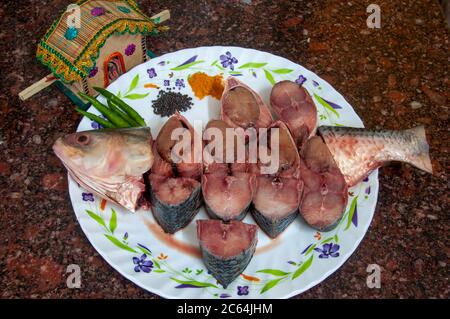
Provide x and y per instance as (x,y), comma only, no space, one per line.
(290,262)
(301,79)
(97,126)
(125,236)
(366,179)
(224,296)
(151,73)
(130,49)
(228,60)
(98,11)
(328,250)
(179,83)
(367,190)
(88,197)
(315,83)
(93,72)
(166,82)
(162,63)
(242,290)
(142,264)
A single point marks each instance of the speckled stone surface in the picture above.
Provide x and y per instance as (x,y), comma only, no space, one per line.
(395,77)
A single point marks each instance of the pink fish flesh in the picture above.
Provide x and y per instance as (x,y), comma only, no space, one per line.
(243,107)
(293,105)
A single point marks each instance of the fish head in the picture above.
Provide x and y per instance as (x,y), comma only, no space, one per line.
(109,162)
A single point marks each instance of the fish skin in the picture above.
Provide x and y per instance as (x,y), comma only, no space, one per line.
(226,266)
(265,117)
(357,152)
(109,162)
(325,192)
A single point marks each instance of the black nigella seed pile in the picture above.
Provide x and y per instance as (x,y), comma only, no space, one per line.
(167,103)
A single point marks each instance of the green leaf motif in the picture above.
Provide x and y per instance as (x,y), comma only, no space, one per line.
(282,71)
(271,284)
(214,63)
(187,66)
(274,272)
(119,244)
(119,94)
(157,265)
(136,96)
(145,251)
(96,217)
(327,240)
(326,105)
(252,65)
(113,221)
(269,77)
(159,270)
(303,267)
(351,212)
(336,238)
(310,249)
(194,283)
(133,84)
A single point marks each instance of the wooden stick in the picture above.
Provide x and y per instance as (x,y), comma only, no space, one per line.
(36,87)
(49,79)
(163,16)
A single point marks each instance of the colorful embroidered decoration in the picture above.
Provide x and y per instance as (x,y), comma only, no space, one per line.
(71,33)
(124,9)
(130,49)
(93,72)
(98,11)
(73,61)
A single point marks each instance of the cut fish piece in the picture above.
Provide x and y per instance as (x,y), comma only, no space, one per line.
(227,248)
(243,107)
(357,152)
(227,187)
(175,187)
(325,191)
(175,201)
(293,105)
(277,196)
(275,203)
(228,197)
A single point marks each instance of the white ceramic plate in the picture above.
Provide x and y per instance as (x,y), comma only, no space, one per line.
(294,262)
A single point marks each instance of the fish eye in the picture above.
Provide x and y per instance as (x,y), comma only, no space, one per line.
(82,139)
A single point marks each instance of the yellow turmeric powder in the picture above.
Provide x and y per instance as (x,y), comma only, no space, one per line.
(204,85)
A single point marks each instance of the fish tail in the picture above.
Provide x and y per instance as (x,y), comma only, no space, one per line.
(420,156)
